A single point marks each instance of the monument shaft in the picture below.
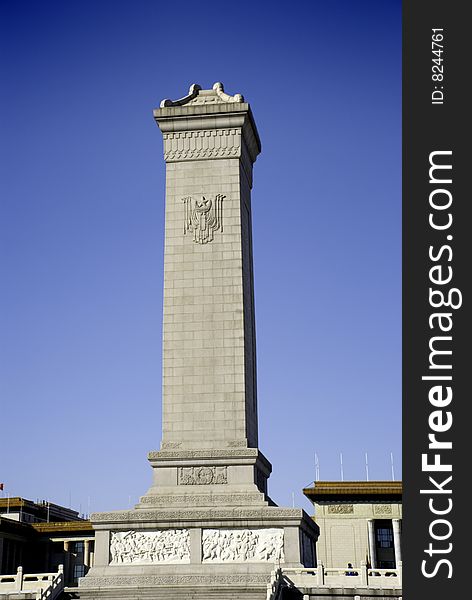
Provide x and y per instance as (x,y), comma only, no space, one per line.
(209,364)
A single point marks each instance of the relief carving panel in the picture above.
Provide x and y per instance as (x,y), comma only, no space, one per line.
(243,545)
(341,509)
(203,216)
(202,475)
(145,547)
(382,509)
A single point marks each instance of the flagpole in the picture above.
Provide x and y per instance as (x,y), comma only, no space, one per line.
(317,467)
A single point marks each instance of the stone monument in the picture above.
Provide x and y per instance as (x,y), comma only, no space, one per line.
(207,522)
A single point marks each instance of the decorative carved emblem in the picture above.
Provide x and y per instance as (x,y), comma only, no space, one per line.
(203,216)
(243,545)
(202,475)
(144,547)
(340,509)
(382,509)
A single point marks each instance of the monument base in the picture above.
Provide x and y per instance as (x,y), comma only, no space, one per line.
(214,549)
(206,524)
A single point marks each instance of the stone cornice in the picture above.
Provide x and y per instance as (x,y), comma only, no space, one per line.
(214,515)
(210,453)
(227,456)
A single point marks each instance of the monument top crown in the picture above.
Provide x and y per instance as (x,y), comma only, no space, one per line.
(196,95)
(207,111)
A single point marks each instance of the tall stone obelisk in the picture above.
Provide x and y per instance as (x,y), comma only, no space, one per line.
(207,521)
(209,392)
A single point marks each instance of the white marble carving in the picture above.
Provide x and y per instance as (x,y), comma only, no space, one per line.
(196,95)
(145,547)
(202,475)
(243,545)
(192,93)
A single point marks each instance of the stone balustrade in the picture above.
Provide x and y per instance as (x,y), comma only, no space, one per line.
(275,584)
(45,586)
(343,577)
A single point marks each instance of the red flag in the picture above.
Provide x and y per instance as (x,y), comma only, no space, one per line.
(1,486)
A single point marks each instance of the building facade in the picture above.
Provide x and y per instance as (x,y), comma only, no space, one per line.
(41,536)
(359,521)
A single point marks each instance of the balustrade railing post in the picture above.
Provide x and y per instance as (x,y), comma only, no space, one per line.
(19,578)
(364,573)
(320,576)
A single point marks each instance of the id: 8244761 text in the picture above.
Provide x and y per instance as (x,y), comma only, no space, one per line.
(437,67)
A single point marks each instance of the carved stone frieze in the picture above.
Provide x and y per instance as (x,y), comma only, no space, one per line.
(211,453)
(242,545)
(170,580)
(149,547)
(340,509)
(204,144)
(171,445)
(202,475)
(202,500)
(197,515)
(236,444)
(382,509)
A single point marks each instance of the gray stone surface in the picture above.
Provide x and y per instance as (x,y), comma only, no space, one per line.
(209,475)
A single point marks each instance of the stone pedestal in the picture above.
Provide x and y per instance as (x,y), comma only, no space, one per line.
(207,522)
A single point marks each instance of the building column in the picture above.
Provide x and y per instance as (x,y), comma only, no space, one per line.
(397,540)
(87,553)
(372,551)
(66,562)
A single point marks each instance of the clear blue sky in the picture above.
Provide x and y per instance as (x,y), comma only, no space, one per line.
(81,234)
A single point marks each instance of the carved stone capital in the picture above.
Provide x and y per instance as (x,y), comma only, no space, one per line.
(208,124)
